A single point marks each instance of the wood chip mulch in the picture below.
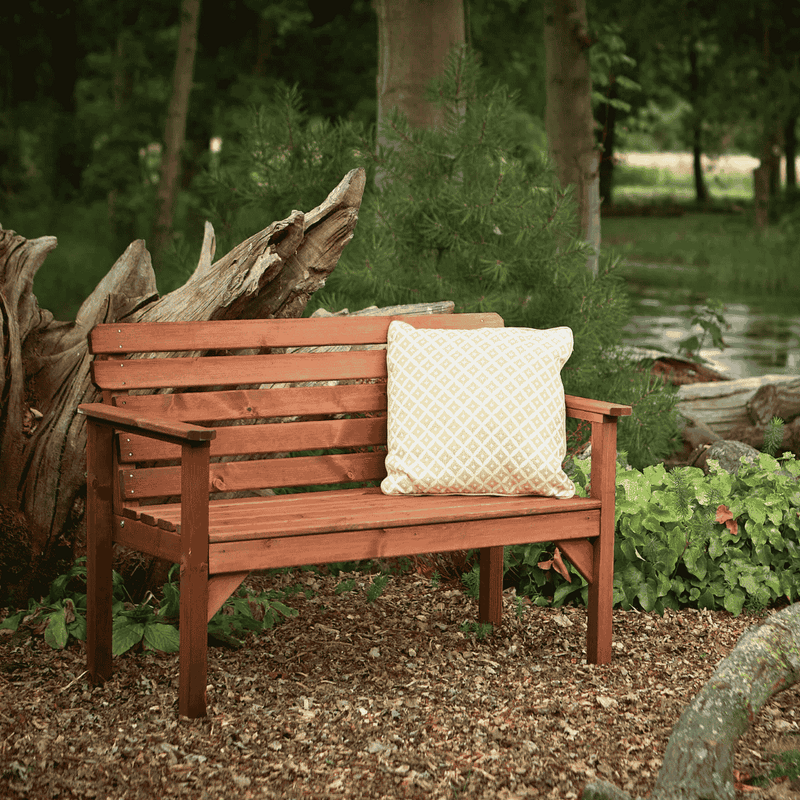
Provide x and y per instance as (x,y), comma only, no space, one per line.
(383,699)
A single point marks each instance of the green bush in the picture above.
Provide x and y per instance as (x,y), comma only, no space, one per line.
(684,539)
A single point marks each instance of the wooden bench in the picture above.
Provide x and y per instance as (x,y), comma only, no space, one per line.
(166,471)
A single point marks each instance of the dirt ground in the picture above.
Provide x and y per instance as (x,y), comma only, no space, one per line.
(383,699)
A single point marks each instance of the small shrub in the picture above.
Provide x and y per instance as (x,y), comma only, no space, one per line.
(685,539)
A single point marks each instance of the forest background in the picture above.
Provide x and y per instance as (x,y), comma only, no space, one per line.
(85,89)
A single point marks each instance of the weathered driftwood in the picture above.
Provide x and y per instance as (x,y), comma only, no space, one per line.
(698,762)
(737,410)
(727,405)
(44,372)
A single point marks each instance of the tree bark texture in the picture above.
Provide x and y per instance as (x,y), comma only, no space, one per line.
(698,762)
(790,151)
(175,129)
(414,40)
(45,363)
(568,114)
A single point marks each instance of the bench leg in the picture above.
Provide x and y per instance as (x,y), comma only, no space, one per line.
(99,470)
(490,603)
(601,588)
(193,655)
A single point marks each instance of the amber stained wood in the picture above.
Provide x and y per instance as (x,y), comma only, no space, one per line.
(158,373)
(157,337)
(259,403)
(277,438)
(236,476)
(342,510)
(266,553)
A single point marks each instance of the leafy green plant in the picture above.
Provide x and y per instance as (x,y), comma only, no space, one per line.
(481,630)
(62,614)
(711,320)
(472,581)
(716,541)
(246,612)
(376,587)
(773,436)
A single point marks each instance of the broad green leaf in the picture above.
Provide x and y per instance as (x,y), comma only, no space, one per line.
(768,463)
(695,561)
(159,636)
(77,628)
(55,633)
(749,583)
(125,634)
(715,548)
(706,600)
(11,623)
(757,509)
(734,601)
(647,595)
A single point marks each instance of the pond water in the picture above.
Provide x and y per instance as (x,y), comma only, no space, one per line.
(762,337)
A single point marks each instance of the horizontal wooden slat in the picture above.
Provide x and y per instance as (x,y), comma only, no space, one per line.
(275,438)
(159,427)
(588,406)
(234,476)
(259,403)
(399,541)
(159,337)
(158,373)
(150,539)
(353,509)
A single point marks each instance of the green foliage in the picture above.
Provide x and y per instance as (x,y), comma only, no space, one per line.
(720,541)
(480,630)
(773,436)
(469,213)
(376,587)
(711,320)
(787,766)
(279,160)
(62,614)
(472,581)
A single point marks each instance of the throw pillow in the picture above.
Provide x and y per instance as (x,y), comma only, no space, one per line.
(476,411)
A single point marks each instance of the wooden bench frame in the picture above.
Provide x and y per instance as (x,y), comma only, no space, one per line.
(218,542)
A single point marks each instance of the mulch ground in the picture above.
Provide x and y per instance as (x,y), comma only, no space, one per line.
(383,699)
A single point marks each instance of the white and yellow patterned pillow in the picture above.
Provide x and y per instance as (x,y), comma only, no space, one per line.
(476,411)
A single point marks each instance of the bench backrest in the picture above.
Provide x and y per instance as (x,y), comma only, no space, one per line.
(296,402)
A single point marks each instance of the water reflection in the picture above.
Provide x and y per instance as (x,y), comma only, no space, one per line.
(759,342)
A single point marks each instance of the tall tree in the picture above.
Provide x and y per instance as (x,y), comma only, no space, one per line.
(414,39)
(568,117)
(175,130)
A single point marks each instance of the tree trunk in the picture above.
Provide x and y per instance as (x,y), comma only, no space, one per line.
(568,117)
(698,762)
(45,364)
(414,40)
(790,151)
(700,189)
(175,129)
(607,143)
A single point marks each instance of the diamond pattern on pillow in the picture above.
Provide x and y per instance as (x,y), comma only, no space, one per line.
(476,411)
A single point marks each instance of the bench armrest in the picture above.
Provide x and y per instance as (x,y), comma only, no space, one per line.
(594,410)
(156,427)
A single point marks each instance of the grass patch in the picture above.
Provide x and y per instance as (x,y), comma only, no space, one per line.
(637,185)
(721,253)
(786,768)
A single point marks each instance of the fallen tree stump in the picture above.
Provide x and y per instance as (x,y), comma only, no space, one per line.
(44,372)
(698,762)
